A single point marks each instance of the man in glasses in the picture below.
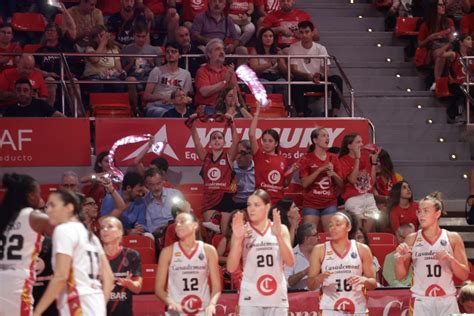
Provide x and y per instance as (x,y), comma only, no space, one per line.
(70,181)
(306,239)
(244,169)
(163,80)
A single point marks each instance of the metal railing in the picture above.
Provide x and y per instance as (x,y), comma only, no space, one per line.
(78,107)
(466,87)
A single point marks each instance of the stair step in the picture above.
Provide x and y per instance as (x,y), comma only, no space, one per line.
(400,102)
(435,170)
(426,150)
(345,54)
(387,113)
(325,23)
(386,82)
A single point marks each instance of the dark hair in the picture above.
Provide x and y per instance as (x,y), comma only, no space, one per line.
(366,237)
(283,206)
(139,28)
(263,195)
(4,25)
(432,19)
(18,187)
(457,43)
(386,164)
(76,200)
(246,144)
(132,179)
(259,46)
(334,150)
(172,44)
(306,24)
(274,134)
(220,100)
(161,163)
(353,221)
(346,141)
(23,81)
(98,160)
(152,171)
(395,194)
(314,134)
(53,25)
(304,230)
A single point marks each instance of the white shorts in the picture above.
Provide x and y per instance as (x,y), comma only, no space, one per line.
(363,205)
(338,313)
(262,311)
(431,306)
(91,305)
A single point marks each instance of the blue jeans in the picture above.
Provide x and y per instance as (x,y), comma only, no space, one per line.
(320,211)
(157,109)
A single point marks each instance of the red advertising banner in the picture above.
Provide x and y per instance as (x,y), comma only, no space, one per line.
(41,142)
(380,303)
(179,147)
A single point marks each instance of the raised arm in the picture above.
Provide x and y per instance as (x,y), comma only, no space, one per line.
(200,150)
(283,238)
(253,130)
(236,242)
(403,257)
(138,160)
(235,141)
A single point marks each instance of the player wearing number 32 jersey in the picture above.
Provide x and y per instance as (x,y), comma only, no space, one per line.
(185,267)
(82,279)
(265,249)
(436,255)
(343,269)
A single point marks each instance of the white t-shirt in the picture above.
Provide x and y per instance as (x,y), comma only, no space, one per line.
(72,239)
(166,82)
(307,65)
(301,263)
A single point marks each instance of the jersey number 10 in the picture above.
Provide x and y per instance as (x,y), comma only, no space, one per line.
(433,270)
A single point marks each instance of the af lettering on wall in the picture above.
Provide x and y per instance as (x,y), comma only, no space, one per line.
(179,146)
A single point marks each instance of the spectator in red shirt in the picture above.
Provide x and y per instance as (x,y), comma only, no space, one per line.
(212,77)
(166,19)
(24,70)
(240,12)
(284,23)
(191,8)
(265,7)
(401,207)
(435,35)
(7,46)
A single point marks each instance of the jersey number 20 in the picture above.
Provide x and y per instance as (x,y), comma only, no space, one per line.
(263,261)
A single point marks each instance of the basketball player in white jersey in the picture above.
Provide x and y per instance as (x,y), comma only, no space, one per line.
(186,266)
(436,255)
(82,279)
(343,269)
(265,249)
(21,230)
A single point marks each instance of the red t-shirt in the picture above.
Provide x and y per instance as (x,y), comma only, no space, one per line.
(9,76)
(158,7)
(424,31)
(11,48)
(384,188)
(288,19)
(217,177)
(364,178)
(270,174)
(191,8)
(239,6)
(467,23)
(108,7)
(206,76)
(270,6)
(400,216)
(322,192)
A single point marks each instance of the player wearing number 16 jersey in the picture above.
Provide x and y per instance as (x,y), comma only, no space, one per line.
(436,255)
(186,267)
(82,279)
(265,249)
(343,269)
(21,230)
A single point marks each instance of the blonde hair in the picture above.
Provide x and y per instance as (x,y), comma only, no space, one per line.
(437,199)
(113,219)
(466,293)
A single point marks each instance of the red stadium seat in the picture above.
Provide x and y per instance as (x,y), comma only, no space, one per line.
(110,104)
(323,237)
(58,19)
(137,241)
(216,239)
(467,23)
(108,7)
(170,235)
(47,189)
(31,48)
(190,188)
(314,94)
(381,239)
(28,22)
(149,275)
(276,109)
(406,27)
(380,251)
(297,198)
(381,4)
(442,90)
(147,255)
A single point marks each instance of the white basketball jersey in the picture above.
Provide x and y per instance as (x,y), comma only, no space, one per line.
(263,283)
(19,248)
(72,239)
(431,277)
(337,294)
(188,278)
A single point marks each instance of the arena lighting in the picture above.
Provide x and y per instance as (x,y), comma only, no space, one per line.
(397,75)
(379,45)
(176,200)
(351,1)
(388,60)
(360,16)
(465,176)
(441,140)
(453,157)
(408,90)
(419,106)
(369,30)
(429,121)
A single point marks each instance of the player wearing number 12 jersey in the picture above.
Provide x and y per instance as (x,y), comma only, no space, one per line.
(21,229)
(436,255)
(265,249)
(343,269)
(185,267)
(82,279)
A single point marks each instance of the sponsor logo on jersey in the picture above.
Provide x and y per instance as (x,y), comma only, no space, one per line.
(274,177)
(191,304)
(214,174)
(329,253)
(443,242)
(267,285)
(201,256)
(222,162)
(353,255)
(344,304)
(434,290)
(177,254)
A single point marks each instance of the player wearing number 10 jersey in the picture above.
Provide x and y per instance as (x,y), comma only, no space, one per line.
(82,279)
(186,267)
(21,228)
(343,269)
(264,248)
(436,255)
